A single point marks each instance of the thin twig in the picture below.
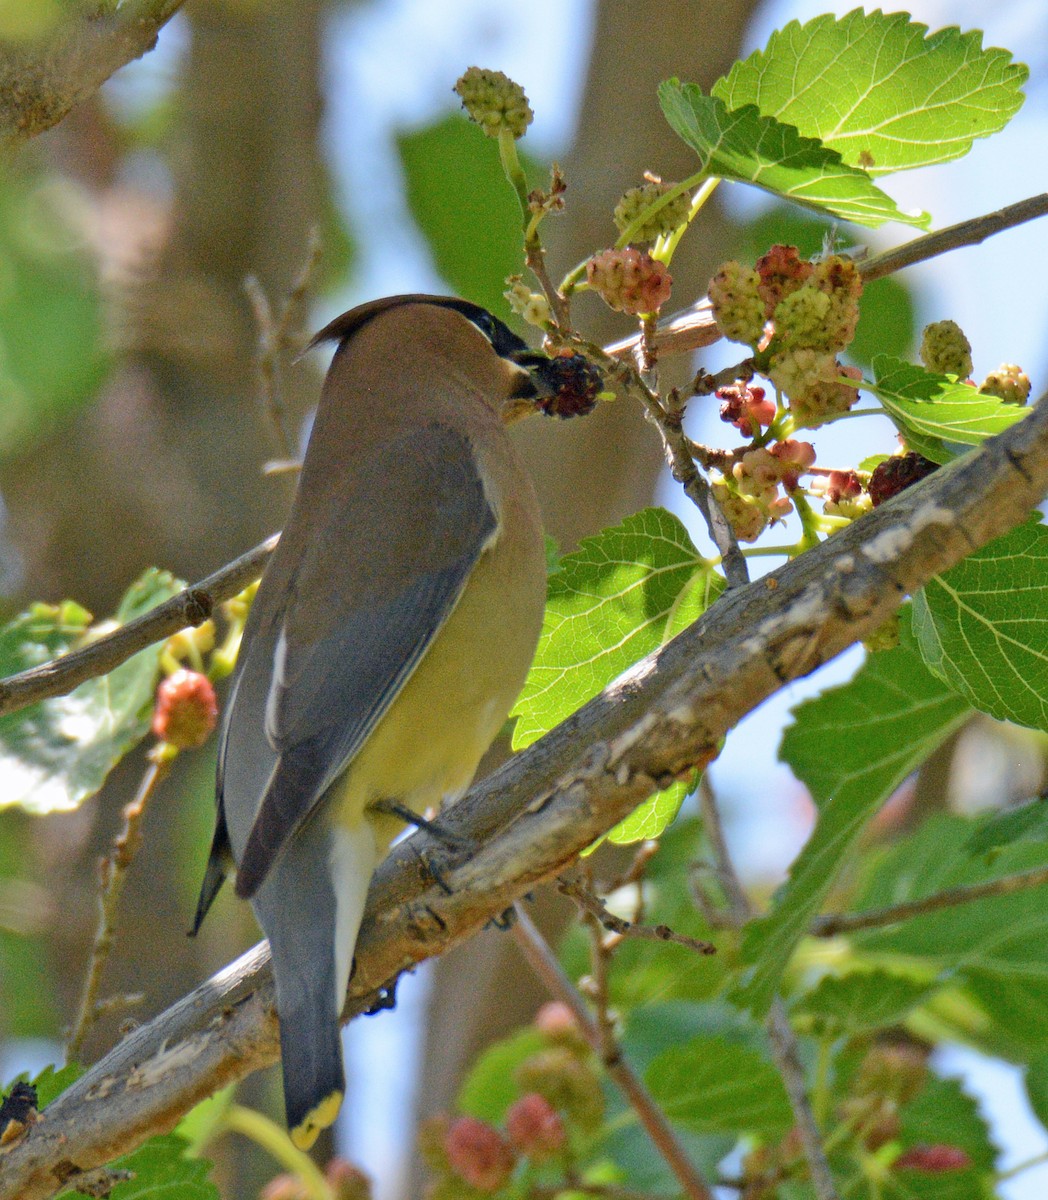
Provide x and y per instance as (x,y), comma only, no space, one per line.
(194,606)
(964,233)
(693,328)
(591,904)
(668,419)
(543,962)
(780,1032)
(831,924)
(113,870)
(275,339)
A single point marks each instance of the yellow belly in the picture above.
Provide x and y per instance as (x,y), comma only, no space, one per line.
(428,744)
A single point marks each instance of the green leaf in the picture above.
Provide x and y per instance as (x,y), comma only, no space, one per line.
(162,1171)
(743,145)
(852,746)
(943,1112)
(491,1087)
(55,754)
(1027,822)
(878,89)
(51,1082)
(982,626)
(714,1085)
(649,819)
(930,410)
(52,357)
(464,205)
(1037,1087)
(615,599)
(995,949)
(850,1004)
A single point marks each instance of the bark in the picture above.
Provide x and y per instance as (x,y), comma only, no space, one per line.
(43,78)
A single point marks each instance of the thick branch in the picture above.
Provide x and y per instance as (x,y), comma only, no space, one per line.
(42,79)
(531,819)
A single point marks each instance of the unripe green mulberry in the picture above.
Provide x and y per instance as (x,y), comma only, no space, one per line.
(671,216)
(1008,383)
(737,305)
(825,398)
(795,371)
(839,278)
(494,102)
(945,349)
(800,318)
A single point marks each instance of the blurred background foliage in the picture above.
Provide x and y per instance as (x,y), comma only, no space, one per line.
(132,432)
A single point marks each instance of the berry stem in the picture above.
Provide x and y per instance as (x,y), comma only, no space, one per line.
(645,215)
(268,1134)
(668,246)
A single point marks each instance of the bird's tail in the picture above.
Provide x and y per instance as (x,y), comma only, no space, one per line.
(310,907)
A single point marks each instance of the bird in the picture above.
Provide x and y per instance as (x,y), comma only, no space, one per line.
(392,630)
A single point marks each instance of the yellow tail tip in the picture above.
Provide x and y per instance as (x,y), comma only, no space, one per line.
(320,1117)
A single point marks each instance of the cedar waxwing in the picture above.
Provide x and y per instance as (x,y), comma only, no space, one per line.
(391,633)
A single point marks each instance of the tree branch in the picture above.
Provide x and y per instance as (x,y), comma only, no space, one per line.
(693,328)
(530,820)
(42,79)
(192,607)
(830,924)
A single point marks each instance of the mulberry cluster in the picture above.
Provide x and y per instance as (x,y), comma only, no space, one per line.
(494,102)
(738,307)
(1008,383)
(750,498)
(746,407)
(672,215)
(945,349)
(560,1091)
(896,474)
(844,496)
(801,315)
(186,710)
(629,280)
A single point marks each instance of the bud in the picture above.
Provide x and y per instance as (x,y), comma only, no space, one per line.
(532,306)
(347,1181)
(494,102)
(567,1083)
(536,1128)
(558,1025)
(186,711)
(478,1154)
(284,1187)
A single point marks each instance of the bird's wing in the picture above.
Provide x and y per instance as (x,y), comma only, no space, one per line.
(367,595)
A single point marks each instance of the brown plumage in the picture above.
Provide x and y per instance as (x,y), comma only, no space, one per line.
(391,632)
